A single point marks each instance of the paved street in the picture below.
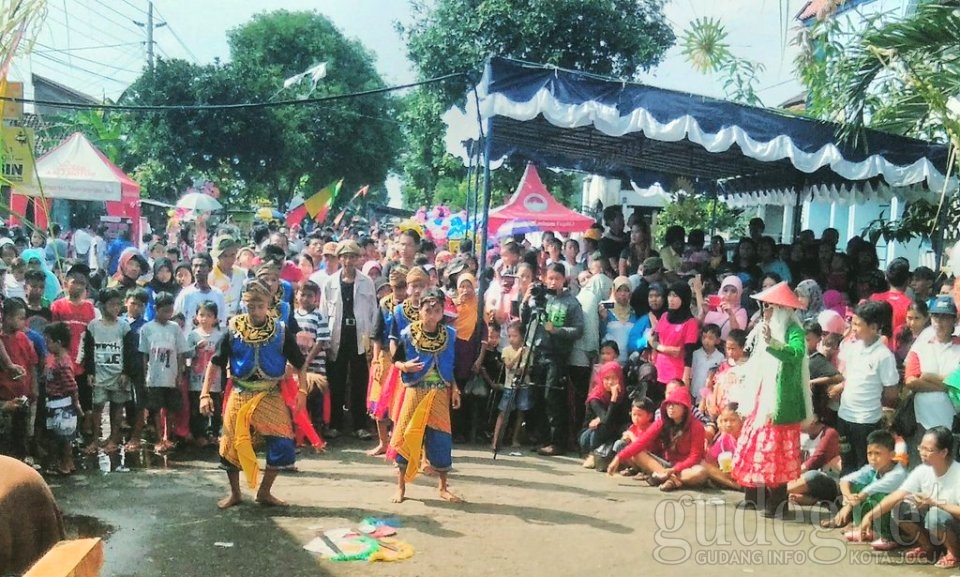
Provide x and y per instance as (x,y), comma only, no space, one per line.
(527,514)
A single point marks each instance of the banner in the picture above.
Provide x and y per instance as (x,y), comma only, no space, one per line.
(17,161)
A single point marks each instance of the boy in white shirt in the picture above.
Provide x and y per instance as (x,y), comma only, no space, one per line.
(708,357)
(871,381)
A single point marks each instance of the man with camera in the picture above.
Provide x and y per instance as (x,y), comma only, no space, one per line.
(558,323)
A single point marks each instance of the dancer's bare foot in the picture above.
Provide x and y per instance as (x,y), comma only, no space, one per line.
(397,497)
(377,451)
(269,500)
(229,501)
(449,497)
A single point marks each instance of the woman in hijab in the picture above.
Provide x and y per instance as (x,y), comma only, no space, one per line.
(811,299)
(130,268)
(36,258)
(674,340)
(162,281)
(655,302)
(724,309)
(617,317)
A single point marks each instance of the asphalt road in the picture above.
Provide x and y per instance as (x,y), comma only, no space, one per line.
(530,514)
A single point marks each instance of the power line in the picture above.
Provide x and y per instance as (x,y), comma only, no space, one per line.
(85,35)
(238,106)
(90,60)
(127,27)
(176,36)
(80,68)
(81,48)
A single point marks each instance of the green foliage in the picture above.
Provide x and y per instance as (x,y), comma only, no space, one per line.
(704,44)
(691,211)
(271,153)
(894,75)
(618,38)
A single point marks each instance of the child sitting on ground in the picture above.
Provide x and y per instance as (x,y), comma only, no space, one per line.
(642,411)
(863,489)
(719,460)
(819,452)
(63,399)
(710,427)
(601,422)
(516,396)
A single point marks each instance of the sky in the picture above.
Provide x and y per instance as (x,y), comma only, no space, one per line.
(98,46)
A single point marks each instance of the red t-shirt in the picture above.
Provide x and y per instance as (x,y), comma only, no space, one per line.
(77,317)
(900,303)
(21,351)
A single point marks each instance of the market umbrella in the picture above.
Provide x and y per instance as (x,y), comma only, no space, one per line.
(199,202)
(517,226)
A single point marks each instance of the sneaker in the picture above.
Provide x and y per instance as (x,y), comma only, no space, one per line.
(363,435)
(882,544)
(331,433)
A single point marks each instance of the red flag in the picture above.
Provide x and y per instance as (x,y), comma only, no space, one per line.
(296,215)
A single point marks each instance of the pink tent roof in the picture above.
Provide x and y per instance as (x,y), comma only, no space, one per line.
(532,202)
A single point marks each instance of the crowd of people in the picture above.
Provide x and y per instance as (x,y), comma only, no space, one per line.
(797,374)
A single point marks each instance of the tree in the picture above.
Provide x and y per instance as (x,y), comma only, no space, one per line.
(695,211)
(897,76)
(618,38)
(270,153)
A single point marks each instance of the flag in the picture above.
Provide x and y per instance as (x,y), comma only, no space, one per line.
(336,221)
(318,205)
(296,215)
(361,193)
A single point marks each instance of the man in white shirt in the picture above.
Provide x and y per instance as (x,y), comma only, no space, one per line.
(191,297)
(870,382)
(328,267)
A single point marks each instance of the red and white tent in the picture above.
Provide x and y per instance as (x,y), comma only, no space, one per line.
(77,170)
(532,202)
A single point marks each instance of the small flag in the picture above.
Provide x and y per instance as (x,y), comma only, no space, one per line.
(336,221)
(296,215)
(318,205)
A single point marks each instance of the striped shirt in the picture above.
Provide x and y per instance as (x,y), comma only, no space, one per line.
(315,324)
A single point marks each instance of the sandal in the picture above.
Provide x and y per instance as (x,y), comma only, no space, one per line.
(671,484)
(642,477)
(132,447)
(629,472)
(948,561)
(830,524)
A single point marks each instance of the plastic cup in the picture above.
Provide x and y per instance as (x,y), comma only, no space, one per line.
(725,461)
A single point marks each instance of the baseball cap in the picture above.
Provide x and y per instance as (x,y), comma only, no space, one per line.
(348,247)
(651,265)
(222,244)
(330,249)
(944,305)
(593,234)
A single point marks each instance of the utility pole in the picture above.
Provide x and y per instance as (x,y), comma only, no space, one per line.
(149,26)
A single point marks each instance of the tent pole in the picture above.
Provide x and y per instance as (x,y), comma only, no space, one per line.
(485,211)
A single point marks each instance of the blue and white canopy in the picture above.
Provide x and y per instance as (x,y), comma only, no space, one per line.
(649,135)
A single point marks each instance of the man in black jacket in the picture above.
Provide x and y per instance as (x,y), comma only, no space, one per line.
(559,327)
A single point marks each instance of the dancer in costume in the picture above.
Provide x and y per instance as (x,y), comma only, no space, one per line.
(255,351)
(384,376)
(768,451)
(424,356)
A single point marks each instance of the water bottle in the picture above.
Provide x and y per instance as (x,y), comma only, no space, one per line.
(104,462)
